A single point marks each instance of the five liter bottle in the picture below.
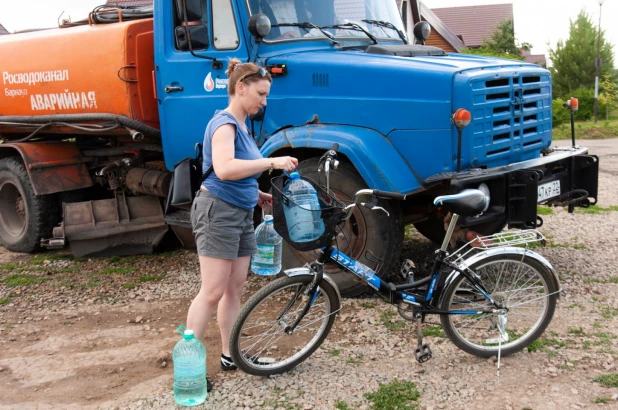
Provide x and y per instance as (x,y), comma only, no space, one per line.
(302,214)
(189,357)
(267,260)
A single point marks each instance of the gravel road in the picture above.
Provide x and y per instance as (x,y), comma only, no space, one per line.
(98,333)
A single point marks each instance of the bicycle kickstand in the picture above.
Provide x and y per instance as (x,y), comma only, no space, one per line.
(422,353)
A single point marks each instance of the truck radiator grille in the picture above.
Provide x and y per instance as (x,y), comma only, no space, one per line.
(511,118)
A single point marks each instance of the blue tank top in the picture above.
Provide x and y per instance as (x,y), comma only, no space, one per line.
(243,192)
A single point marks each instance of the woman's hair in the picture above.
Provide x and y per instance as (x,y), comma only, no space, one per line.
(247,72)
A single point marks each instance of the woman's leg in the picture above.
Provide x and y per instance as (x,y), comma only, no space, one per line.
(229,306)
(215,273)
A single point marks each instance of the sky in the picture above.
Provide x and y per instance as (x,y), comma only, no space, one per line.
(538,22)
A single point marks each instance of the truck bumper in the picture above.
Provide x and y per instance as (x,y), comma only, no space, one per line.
(566,176)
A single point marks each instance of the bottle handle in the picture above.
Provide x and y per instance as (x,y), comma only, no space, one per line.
(181,329)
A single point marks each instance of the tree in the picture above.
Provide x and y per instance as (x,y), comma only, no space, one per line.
(502,43)
(573,61)
(608,95)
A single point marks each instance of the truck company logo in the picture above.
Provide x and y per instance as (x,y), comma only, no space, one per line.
(218,83)
(209,85)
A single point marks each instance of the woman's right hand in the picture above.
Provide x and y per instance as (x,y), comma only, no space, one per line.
(288,164)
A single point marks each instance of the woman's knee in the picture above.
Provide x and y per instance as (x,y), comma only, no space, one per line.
(210,297)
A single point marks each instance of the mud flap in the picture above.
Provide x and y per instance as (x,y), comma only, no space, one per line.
(118,226)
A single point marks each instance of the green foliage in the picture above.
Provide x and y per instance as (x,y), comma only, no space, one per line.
(586,103)
(395,396)
(559,114)
(573,60)
(502,43)
(608,380)
(23,280)
(342,405)
(608,96)
(483,51)
(4,301)
(388,320)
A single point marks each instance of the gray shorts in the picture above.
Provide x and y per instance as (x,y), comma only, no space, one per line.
(222,230)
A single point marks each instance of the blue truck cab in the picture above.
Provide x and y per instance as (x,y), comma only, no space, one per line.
(344,72)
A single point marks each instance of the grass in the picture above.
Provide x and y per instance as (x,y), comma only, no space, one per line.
(23,280)
(355,360)
(587,130)
(608,380)
(8,266)
(595,209)
(4,301)
(434,331)
(129,286)
(368,305)
(117,271)
(387,319)
(542,345)
(544,210)
(395,395)
(608,312)
(602,400)
(151,278)
(334,352)
(342,405)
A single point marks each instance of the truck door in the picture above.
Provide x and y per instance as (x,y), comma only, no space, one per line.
(190,88)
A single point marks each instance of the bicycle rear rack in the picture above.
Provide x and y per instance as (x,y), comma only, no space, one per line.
(520,238)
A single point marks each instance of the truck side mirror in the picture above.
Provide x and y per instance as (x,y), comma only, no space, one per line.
(198,34)
(259,26)
(422,30)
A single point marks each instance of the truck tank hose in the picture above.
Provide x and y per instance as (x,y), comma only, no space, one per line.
(44,120)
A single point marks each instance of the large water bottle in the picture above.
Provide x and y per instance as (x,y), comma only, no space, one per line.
(302,214)
(189,357)
(267,260)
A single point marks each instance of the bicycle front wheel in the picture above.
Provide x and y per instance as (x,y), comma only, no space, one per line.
(261,343)
(522,284)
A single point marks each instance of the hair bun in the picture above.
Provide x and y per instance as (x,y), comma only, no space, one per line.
(233,64)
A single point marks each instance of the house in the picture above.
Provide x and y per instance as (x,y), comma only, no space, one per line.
(473,24)
(534,58)
(413,11)
(3,30)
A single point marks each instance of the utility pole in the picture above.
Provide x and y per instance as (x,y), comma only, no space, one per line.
(598,67)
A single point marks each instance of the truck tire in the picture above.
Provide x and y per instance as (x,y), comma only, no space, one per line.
(365,230)
(25,218)
(432,228)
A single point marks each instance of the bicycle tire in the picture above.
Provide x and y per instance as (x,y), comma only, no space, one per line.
(270,301)
(527,286)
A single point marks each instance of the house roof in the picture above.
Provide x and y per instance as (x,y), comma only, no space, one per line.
(129,2)
(473,23)
(3,30)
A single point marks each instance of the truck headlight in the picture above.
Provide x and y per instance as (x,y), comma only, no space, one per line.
(485,190)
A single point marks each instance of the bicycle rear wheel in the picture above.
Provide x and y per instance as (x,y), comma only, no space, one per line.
(259,344)
(522,284)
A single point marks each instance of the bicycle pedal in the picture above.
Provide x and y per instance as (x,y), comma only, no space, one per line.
(423,353)
(407,267)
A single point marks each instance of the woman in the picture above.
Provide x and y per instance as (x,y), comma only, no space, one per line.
(222,212)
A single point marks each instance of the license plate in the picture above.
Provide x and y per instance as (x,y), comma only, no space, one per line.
(548,190)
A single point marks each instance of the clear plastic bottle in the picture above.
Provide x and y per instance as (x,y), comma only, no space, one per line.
(304,224)
(267,260)
(189,356)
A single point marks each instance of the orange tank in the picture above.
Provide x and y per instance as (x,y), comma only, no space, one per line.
(104,68)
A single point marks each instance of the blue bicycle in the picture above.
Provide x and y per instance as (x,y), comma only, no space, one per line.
(494,295)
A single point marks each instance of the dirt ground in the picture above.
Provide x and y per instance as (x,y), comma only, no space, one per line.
(98,333)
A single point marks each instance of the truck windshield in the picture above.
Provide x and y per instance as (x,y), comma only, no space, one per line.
(305,19)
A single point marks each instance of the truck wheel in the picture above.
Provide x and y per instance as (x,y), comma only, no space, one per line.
(25,218)
(432,228)
(366,231)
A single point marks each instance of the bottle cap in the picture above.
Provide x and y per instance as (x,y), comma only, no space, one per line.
(189,334)
(268,218)
(294,175)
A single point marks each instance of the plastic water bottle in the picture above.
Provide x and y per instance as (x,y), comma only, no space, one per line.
(302,214)
(189,357)
(267,260)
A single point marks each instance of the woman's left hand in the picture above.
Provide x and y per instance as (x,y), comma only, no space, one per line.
(265,201)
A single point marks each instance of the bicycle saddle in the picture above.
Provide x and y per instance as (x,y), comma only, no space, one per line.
(468,202)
